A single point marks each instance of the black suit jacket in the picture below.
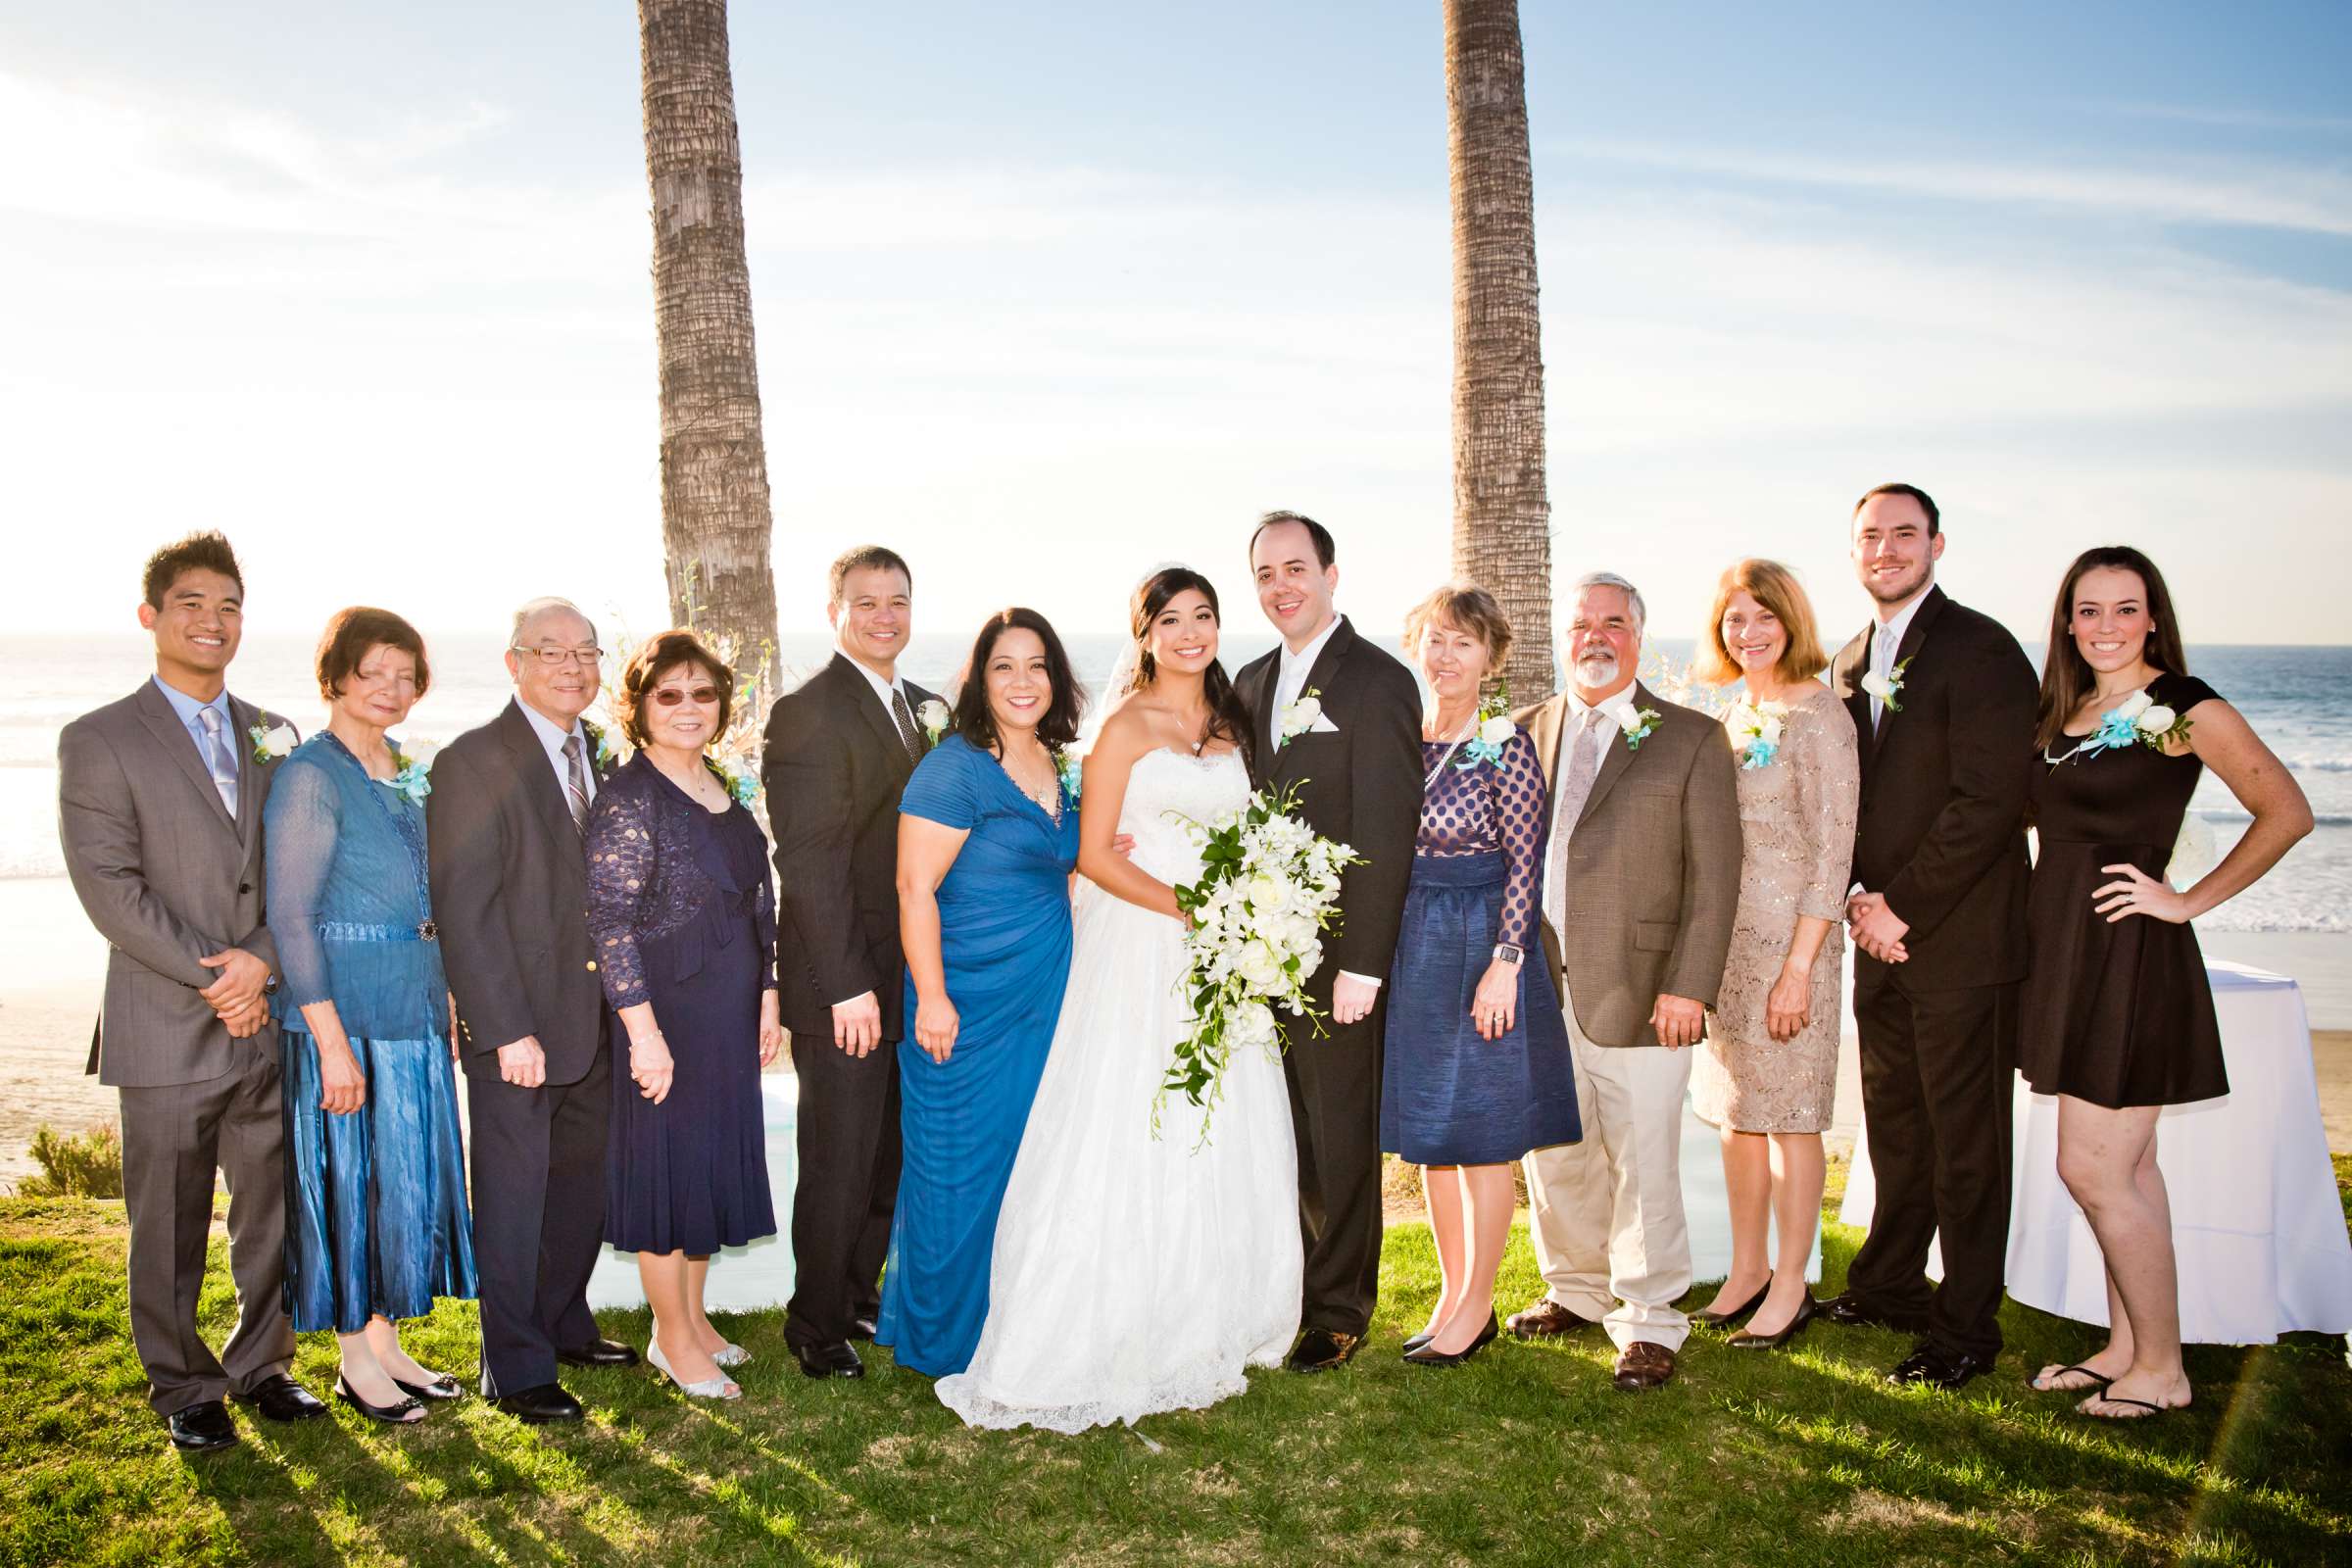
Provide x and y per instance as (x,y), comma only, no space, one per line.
(1359,782)
(1943,794)
(833,767)
(510,880)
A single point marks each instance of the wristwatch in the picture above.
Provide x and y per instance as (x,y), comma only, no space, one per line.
(1508,954)
(269,985)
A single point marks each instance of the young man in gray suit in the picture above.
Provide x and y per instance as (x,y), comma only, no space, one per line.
(159,813)
(1641,881)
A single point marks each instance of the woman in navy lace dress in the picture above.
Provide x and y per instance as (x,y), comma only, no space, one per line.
(684,922)
(1477,1070)
(377,1224)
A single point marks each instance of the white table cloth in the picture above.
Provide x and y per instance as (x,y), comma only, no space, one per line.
(743,1279)
(2257,1227)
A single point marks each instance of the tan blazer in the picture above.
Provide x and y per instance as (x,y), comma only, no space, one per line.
(1653,870)
(168,877)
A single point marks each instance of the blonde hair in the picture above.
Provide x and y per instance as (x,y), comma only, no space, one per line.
(1465,606)
(1775,588)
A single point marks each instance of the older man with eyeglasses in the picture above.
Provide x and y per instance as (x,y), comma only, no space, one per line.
(505,823)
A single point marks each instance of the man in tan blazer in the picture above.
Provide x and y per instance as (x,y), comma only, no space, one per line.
(1640,880)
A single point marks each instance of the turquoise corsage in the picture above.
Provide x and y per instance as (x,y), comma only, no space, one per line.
(1071,772)
(742,783)
(1490,734)
(414,780)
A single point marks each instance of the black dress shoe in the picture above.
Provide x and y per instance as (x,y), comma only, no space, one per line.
(198,1428)
(1848,1310)
(280,1398)
(1430,1355)
(1806,1311)
(441,1386)
(597,1353)
(836,1360)
(1323,1350)
(407,1410)
(1712,1319)
(1943,1368)
(540,1405)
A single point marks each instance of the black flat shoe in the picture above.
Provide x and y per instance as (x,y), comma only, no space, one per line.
(202,1427)
(1851,1311)
(1805,1313)
(406,1413)
(1712,1319)
(546,1402)
(597,1353)
(836,1360)
(1428,1356)
(281,1398)
(441,1386)
(1938,1367)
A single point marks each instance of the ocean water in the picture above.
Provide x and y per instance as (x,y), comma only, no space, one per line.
(2299,700)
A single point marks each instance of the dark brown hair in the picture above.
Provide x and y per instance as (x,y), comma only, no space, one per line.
(864,557)
(349,637)
(208,551)
(2067,677)
(1326,552)
(1927,502)
(1775,588)
(656,657)
(1228,716)
(977,723)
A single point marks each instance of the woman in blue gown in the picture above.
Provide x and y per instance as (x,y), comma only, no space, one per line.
(988,837)
(377,1223)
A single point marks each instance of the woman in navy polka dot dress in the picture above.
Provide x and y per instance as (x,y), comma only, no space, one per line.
(1477,1070)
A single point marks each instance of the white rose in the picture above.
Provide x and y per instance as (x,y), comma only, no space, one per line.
(1627,718)
(1270,894)
(2154,720)
(2135,704)
(1496,730)
(1876,685)
(280,739)
(1258,964)
(420,752)
(1305,710)
(1770,731)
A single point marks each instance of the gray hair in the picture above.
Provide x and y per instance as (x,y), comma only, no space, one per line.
(1609,579)
(546,604)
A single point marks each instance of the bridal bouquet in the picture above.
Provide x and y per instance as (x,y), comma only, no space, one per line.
(1270,888)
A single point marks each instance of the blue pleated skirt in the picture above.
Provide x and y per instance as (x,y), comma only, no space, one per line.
(1446,1097)
(377,1222)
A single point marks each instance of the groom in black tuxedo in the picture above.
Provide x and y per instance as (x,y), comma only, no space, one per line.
(839,751)
(1341,720)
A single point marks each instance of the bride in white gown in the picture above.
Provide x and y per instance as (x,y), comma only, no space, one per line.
(1136,1271)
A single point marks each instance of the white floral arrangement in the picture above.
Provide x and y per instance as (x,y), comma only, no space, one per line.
(1494,731)
(273,741)
(2137,720)
(1757,729)
(1270,889)
(1300,716)
(1638,723)
(935,717)
(1888,688)
(413,767)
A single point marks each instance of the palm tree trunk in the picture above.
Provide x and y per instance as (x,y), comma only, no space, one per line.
(715,517)
(1501,513)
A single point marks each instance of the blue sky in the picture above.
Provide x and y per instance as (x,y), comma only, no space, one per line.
(1049,294)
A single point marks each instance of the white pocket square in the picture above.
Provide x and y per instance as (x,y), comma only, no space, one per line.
(1322,725)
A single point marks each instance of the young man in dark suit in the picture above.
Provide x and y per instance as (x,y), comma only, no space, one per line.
(1341,719)
(159,813)
(504,825)
(838,753)
(1944,700)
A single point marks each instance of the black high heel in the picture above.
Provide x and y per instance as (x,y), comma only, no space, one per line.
(1423,1355)
(1712,1319)
(1744,1341)
(398,1416)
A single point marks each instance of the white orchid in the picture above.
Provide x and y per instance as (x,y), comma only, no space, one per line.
(1300,716)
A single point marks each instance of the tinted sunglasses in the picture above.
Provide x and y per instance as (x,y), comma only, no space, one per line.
(672,696)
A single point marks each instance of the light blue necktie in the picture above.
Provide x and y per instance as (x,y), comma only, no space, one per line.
(219,759)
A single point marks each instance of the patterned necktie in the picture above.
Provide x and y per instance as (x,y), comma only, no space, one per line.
(906,730)
(219,762)
(575,782)
(1576,787)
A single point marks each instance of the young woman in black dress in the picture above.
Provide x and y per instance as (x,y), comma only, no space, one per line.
(2118,1021)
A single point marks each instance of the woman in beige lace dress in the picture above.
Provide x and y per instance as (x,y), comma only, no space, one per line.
(1767,1074)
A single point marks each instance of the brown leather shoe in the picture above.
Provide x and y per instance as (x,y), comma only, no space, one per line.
(1642,1365)
(1547,1320)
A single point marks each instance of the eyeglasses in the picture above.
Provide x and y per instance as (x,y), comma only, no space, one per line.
(672,696)
(557,658)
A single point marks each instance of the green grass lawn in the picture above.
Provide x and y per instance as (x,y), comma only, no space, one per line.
(1526,1455)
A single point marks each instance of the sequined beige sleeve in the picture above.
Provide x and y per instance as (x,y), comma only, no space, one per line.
(1826,768)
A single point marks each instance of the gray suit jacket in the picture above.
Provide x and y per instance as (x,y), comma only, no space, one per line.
(1653,870)
(166,877)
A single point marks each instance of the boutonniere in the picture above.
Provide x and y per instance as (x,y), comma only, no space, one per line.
(1636,724)
(2139,720)
(1300,716)
(273,741)
(1070,767)
(1491,733)
(1889,689)
(601,742)
(1756,730)
(935,718)
(413,771)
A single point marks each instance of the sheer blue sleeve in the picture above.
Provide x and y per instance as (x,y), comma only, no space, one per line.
(1519,795)
(944,787)
(300,824)
(620,876)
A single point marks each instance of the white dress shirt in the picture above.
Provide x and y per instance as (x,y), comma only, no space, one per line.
(1290,677)
(552,739)
(1884,642)
(884,689)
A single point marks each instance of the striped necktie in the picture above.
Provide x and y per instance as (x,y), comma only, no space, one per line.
(576,781)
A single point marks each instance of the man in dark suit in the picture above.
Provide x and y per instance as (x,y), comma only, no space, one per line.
(1341,719)
(504,828)
(1640,885)
(159,814)
(1944,700)
(838,753)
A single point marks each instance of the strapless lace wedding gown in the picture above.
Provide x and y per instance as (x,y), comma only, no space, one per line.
(1134,1272)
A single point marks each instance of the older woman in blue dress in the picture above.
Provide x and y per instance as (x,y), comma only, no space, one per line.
(377,1223)
(1476,1069)
(988,837)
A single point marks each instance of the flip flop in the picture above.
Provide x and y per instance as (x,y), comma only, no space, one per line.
(2097,1380)
(2148,1411)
